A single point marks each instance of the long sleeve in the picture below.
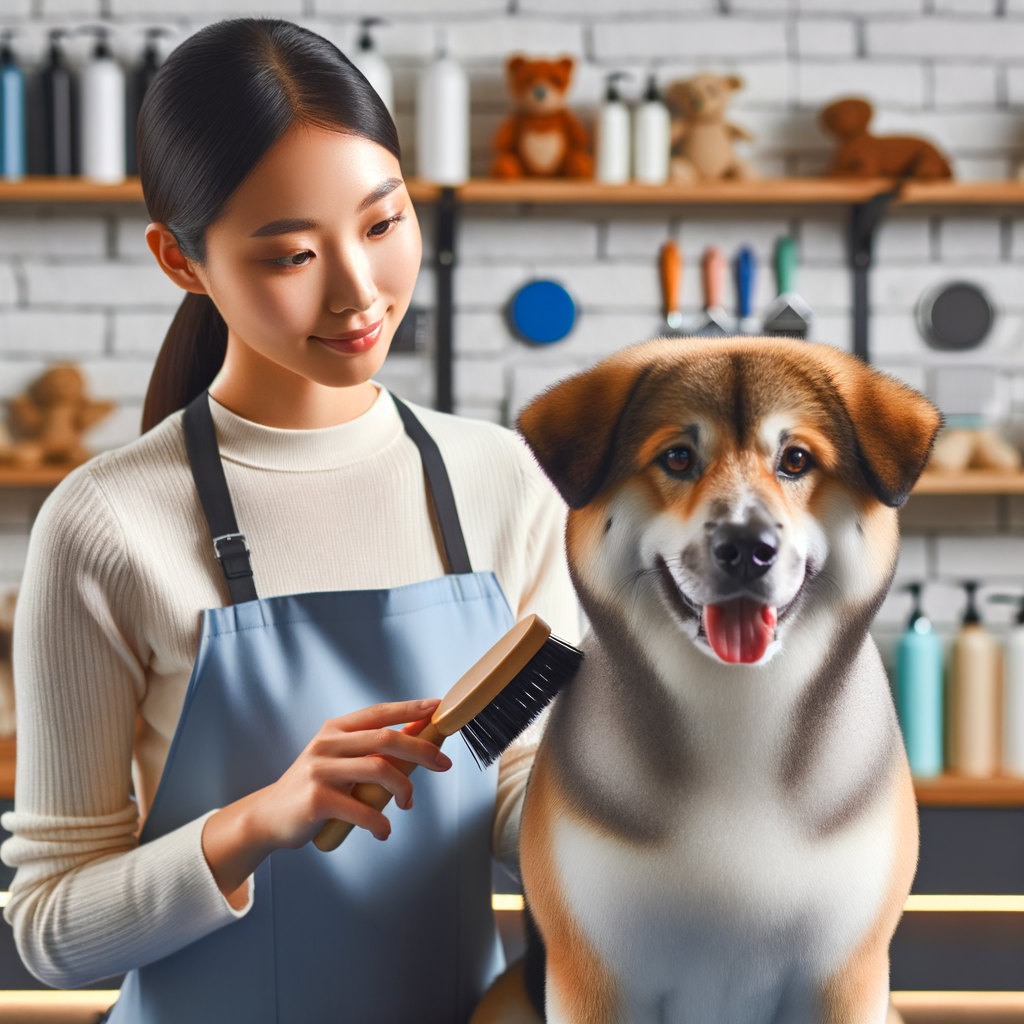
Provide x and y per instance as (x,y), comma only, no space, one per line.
(87,902)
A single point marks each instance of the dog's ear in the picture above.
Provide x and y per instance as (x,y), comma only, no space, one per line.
(895,428)
(571,427)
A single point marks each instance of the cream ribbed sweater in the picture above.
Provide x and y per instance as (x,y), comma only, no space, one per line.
(120,567)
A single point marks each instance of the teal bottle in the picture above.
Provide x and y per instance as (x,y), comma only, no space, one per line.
(12,113)
(919,692)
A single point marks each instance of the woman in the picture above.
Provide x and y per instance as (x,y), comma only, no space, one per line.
(331,534)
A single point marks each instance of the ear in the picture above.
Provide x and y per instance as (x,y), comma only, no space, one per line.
(565,68)
(734,82)
(514,65)
(895,427)
(571,427)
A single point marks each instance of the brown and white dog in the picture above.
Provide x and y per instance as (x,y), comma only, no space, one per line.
(720,825)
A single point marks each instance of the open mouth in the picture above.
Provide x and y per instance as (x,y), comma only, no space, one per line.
(738,630)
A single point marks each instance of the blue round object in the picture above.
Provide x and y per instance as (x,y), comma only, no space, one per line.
(543,312)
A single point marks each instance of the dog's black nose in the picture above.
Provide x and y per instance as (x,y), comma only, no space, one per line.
(745,551)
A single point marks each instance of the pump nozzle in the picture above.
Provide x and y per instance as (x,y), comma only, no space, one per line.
(612,80)
(971,616)
(1017,599)
(365,36)
(102,34)
(651,95)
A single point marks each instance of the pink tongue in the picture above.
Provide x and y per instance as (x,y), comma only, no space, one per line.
(740,630)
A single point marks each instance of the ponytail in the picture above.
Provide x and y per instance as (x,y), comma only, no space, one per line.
(214,109)
(190,357)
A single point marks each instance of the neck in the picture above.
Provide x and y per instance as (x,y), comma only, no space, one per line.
(264,392)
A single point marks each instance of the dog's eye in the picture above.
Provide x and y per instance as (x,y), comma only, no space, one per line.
(677,460)
(795,461)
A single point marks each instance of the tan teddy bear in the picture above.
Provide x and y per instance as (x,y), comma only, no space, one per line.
(701,138)
(543,138)
(50,418)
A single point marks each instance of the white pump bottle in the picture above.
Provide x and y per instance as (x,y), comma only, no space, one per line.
(442,123)
(374,67)
(103,114)
(652,136)
(613,135)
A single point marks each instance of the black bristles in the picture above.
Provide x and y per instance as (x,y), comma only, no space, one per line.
(489,735)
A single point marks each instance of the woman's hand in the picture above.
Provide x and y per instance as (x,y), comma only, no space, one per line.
(290,812)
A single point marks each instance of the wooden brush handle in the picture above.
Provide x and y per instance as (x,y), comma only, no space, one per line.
(714,277)
(670,267)
(333,834)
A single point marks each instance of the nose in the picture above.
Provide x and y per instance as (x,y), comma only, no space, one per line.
(744,551)
(350,284)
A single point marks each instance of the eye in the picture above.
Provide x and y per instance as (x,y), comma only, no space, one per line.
(677,460)
(382,226)
(297,259)
(795,462)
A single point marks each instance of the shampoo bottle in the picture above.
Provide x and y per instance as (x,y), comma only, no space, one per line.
(374,67)
(1013,693)
(613,141)
(919,692)
(442,123)
(141,79)
(652,138)
(102,120)
(974,699)
(58,122)
(12,113)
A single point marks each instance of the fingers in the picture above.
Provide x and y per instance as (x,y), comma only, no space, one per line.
(348,808)
(386,742)
(338,772)
(396,713)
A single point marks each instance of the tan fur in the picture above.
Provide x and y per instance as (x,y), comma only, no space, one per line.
(573,968)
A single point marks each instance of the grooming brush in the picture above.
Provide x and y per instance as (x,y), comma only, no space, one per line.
(713,271)
(788,316)
(490,705)
(670,272)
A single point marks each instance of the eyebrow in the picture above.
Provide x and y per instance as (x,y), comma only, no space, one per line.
(284,227)
(385,188)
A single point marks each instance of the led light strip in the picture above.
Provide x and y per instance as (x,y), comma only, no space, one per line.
(914,904)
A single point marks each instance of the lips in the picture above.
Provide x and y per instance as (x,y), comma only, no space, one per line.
(353,342)
(740,630)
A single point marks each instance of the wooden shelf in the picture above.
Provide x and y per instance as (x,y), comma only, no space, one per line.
(47,476)
(972,481)
(7,751)
(762,192)
(956,791)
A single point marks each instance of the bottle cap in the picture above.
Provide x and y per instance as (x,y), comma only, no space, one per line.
(652,95)
(971,616)
(612,94)
(365,36)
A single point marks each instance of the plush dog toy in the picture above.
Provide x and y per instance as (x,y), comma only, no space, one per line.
(720,824)
(543,138)
(701,138)
(863,155)
(50,419)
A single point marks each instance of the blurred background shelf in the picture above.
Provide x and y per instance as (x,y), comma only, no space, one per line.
(47,476)
(7,752)
(956,791)
(763,191)
(973,481)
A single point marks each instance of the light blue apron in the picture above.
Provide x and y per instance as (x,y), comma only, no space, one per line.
(399,932)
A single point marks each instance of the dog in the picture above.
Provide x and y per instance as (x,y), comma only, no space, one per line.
(720,824)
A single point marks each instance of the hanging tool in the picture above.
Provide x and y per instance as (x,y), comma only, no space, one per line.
(713,269)
(788,316)
(670,270)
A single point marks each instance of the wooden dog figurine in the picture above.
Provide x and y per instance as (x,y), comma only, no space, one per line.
(720,825)
(863,155)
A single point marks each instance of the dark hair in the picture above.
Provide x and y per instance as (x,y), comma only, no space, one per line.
(218,104)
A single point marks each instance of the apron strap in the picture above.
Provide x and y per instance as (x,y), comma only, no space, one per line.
(208,472)
(440,488)
(229,544)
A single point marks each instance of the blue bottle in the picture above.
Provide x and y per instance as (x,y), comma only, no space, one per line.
(919,692)
(12,113)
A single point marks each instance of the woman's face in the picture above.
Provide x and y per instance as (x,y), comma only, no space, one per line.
(313,261)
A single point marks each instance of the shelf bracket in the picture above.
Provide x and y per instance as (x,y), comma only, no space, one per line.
(864,221)
(444,267)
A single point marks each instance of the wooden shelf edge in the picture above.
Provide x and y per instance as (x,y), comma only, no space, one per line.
(49,476)
(8,753)
(762,191)
(972,481)
(956,791)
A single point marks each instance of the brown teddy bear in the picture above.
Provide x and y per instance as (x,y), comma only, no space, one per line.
(50,419)
(542,139)
(863,155)
(701,138)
